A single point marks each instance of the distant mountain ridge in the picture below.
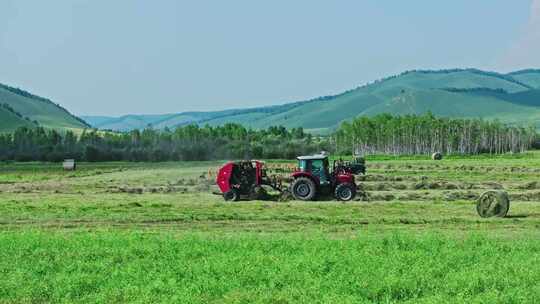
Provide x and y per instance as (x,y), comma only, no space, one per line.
(512,98)
(19,108)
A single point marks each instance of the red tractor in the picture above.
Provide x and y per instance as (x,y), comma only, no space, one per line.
(314,176)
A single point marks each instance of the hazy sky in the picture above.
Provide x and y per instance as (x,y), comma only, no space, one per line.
(162,56)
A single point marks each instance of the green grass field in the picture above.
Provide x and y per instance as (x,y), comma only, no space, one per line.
(140,232)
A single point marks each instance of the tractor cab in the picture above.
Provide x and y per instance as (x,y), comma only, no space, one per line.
(317,166)
(314,175)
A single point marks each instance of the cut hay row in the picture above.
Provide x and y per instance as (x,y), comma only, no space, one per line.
(382,171)
(444,185)
(408,167)
(383,186)
(383,182)
(442,196)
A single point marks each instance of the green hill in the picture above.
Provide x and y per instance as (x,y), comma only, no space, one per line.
(512,98)
(126,123)
(11,120)
(34,108)
(530,77)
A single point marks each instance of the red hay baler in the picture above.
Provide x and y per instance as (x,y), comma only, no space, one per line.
(244,179)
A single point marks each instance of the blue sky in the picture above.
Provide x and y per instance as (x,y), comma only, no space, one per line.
(124,57)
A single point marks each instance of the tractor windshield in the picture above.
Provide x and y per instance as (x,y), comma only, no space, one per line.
(319,168)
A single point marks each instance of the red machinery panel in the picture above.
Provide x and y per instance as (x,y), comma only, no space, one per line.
(224,176)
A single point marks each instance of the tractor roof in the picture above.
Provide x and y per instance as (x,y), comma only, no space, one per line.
(313,157)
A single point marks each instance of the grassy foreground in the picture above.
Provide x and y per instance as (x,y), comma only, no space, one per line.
(117,267)
(139,232)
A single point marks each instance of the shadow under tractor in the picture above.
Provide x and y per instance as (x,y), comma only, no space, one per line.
(312,178)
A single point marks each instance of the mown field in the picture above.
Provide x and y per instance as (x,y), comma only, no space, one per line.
(140,232)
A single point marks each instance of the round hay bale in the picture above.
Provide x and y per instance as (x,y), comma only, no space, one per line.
(437,156)
(493,204)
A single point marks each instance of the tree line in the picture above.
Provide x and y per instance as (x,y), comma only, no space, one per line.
(425,134)
(230,141)
(382,134)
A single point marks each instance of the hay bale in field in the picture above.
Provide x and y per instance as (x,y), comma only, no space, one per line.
(437,156)
(493,204)
(69,165)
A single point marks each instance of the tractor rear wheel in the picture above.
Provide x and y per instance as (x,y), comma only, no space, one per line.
(345,192)
(231,196)
(303,189)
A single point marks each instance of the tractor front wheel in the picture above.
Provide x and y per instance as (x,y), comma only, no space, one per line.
(303,189)
(231,196)
(345,192)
